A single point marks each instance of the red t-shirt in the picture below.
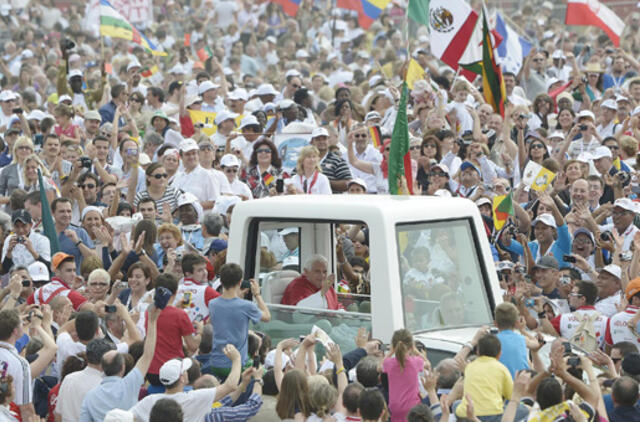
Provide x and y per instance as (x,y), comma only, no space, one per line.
(53,401)
(173,324)
(186,126)
(55,287)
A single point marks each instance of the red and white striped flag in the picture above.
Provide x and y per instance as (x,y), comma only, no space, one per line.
(594,13)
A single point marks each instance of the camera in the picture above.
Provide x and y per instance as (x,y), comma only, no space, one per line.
(583,127)
(530,302)
(67,44)
(20,239)
(246,284)
(605,236)
(17,110)
(86,162)
(573,361)
(565,280)
(523,116)
(569,258)
(26,283)
(626,256)
(493,330)
(624,177)
(512,230)
(110,309)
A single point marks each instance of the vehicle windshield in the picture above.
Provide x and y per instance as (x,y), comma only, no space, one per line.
(442,281)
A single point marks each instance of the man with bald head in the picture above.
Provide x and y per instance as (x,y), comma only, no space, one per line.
(579,193)
(117,391)
(61,307)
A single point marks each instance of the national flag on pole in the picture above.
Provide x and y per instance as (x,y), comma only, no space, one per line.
(267,178)
(502,209)
(48,228)
(113,24)
(290,7)
(376,137)
(204,53)
(148,72)
(418,10)
(415,72)
(595,13)
(492,82)
(368,10)
(399,156)
(455,36)
(513,48)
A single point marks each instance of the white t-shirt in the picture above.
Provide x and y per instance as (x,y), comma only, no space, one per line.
(72,391)
(200,182)
(67,347)
(319,186)
(241,188)
(618,330)
(19,369)
(196,404)
(224,13)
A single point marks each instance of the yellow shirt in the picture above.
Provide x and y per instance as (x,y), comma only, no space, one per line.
(489,383)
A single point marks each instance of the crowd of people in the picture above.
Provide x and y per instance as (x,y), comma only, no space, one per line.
(125,307)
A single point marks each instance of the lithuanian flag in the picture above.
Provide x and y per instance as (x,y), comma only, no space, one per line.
(114,25)
(502,209)
(376,137)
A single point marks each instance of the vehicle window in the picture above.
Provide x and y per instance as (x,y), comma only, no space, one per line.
(279,250)
(442,282)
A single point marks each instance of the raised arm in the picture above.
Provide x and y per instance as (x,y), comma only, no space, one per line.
(355,161)
(150,342)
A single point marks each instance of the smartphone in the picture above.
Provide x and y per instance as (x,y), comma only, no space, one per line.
(567,347)
(256,362)
(279,186)
(17,110)
(246,284)
(186,299)
(110,309)
(161,297)
(573,361)
(569,258)
(605,236)
(123,285)
(493,330)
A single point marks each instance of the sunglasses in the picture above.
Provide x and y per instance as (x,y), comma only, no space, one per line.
(231,170)
(295,86)
(534,146)
(538,60)
(415,147)
(360,135)
(206,148)
(612,146)
(87,186)
(263,150)
(160,176)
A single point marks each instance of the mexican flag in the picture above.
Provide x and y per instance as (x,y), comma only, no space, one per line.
(502,209)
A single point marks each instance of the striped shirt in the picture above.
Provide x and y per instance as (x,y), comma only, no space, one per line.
(169,196)
(239,413)
(19,369)
(335,167)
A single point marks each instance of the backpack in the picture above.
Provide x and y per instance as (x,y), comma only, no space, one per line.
(585,334)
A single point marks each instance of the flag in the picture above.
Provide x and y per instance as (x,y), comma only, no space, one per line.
(418,10)
(187,39)
(267,178)
(502,209)
(595,13)
(148,72)
(113,24)
(48,228)
(290,7)
(513,48)
(492,83)
(204,53)
(455,36)
(399,156)
(616,163)
(376,137)
(368,10)
(537,177)
(415,72)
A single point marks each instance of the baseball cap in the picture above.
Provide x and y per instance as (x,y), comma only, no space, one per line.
(546,219)
(556,134)
(584,157)
(36,115)
(587,113)
(229,160)
(631,364)
(288,230)
(292,72)
(441,166)
(302,54)
(558,54)
(374,80)
(547,262)
(132,64)
(632,289)
(192,99)
(270,360)
(92,115)
(625,203)
(178,69)
(59,258)
(206,86)
(357,181)
(21,215)
(584,231)
(614,270)
(144,159)
(38,271)
(467,164)
(217,246)
(73,73)
(224,115)
(372,115)
(188,145)
(271,39)
(119,415)
(160,114)
(64,98)
(504,265)
(610,104)
(601,152)
(319,131)
(621,98)
(249,120)
(285,104)
(483,201)
(186,198)
(266,89)
(238,94)
(171,370)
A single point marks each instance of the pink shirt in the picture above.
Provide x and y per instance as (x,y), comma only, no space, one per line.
(404,392)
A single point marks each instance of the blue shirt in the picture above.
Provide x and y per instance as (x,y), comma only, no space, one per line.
(514,351)
(112,393)
(230,320)
(561,246)
(240,413)
(5,157)
(68,246)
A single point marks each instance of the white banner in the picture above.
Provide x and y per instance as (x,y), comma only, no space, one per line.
(138,12)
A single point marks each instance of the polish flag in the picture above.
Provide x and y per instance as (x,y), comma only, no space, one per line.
(594,13)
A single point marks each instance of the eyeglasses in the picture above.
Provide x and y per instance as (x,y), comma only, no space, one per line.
(206,148)
(295,86)
(534,146)
(98,284)
(25,147)
(415,147)
(161,176)
(616,360)
(87,186)
(360,135)
(263,150)
(230,170)
(538,60)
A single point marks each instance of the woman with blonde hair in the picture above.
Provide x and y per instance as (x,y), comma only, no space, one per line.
(169,243)
(30,174)
(11,177)
(309,178)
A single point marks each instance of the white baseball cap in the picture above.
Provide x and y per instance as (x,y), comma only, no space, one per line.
(64,98)
(319,131)
(483,201)
(224,115)
(266,89)
(614,270)
(171,370)
(557,134)
(238,94)
(546,219)
(357,181)
(229,160)
(192,99)
(601,152)
(178,69)
(626,204)
(74,72)
(206,86)
(285,104)
(38,271)
(36,115)
(132,64)
(188,145)
(249,120)
(610,104)
(292,72)
(587,113)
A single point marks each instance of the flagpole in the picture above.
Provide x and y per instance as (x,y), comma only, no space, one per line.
(333,27)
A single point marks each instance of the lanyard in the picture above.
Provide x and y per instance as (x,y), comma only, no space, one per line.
(307,189)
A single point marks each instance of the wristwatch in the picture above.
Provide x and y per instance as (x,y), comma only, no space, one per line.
(259,381)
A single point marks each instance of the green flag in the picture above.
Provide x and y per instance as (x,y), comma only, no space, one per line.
(48,228)
(418,10)
(399,157)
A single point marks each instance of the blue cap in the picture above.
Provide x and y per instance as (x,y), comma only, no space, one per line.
(217,246)
(467,164)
